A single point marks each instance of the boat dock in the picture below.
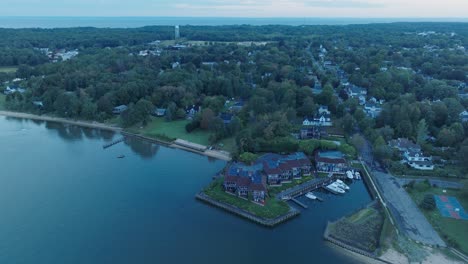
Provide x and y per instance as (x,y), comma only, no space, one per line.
(304,188)
(299,203)
(122,139)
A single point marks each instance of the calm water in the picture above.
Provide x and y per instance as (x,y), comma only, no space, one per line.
(132,22)
(63,199)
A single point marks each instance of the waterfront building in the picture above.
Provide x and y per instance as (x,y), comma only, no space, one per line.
(330,161)
(250,181)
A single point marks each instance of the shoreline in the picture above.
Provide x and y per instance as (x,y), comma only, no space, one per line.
(221,155)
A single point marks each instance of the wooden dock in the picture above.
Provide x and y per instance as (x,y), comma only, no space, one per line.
(299,203)
(122,139)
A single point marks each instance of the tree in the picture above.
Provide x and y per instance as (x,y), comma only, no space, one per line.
(446,137)
(421,132)
(358,141)
(206,118)
(248,158)
(428,203)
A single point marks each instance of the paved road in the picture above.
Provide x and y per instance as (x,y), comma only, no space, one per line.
(436,182)
(407,215)
(408,218)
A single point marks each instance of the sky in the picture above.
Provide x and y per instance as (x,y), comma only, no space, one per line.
(239,8)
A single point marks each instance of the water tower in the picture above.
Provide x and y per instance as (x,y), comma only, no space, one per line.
(177,32)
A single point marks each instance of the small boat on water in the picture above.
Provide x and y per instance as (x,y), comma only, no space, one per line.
(310,195)
(342,185)
(121,156)
(357,175)
(349,175)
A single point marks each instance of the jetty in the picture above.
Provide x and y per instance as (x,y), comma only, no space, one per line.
(108,145)
(304,188)
(299,203)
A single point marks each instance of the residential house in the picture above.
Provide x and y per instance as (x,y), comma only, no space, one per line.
(404,144)
(119,109)
(330,161)
(323,120)
(14,89)
(355,91)
(412,154)
(417,160)
(192,111)
(362,100)
(39,104)
(372,109)
(323,109)
(464,116)
(160,112)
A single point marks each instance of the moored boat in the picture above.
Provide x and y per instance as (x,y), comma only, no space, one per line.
(310,195)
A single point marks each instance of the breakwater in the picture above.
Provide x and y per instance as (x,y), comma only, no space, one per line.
(237,211)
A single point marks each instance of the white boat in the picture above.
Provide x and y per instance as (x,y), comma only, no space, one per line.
(357,175)
(342,185)
(310,195)
(335,189)
(349,174)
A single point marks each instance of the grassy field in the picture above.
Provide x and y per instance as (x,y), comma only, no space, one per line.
(452,230)
(362,229)
(2,102)
(8,69)
(272,209)
(158,128)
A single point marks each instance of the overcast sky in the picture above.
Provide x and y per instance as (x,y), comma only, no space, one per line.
(238,8)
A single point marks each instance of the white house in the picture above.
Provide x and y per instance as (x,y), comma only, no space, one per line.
(355,91)
(464,116)
(417,160)
(372,109)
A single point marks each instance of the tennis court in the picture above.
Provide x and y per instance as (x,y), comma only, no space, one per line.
(450,207)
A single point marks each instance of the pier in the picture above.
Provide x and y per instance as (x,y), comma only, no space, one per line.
(122,139)
(304,188)
(299,203)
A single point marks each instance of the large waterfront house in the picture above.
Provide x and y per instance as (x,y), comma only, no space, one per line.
(412,154)
(250,181)
(119,109)
(242,180)
(315,132)
(281,169)
(330,161)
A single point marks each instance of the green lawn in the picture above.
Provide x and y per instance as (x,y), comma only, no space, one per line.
(362,229)
(8,69)
(452,230)
(228,144)
(158,128)
(272,209)
(2,102)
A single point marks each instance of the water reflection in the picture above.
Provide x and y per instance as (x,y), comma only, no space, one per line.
(142,148)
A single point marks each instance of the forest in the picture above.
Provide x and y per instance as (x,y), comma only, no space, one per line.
(417,70)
